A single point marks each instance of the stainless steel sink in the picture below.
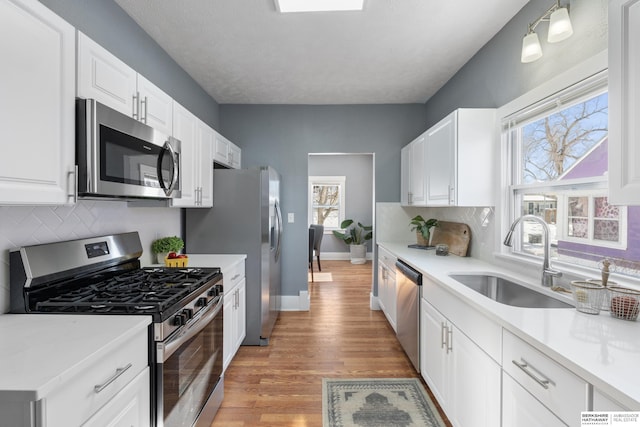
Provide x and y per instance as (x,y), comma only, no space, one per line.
(507,292)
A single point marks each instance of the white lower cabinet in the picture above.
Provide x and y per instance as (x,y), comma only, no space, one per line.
(602,402)
(235,308)
(521,409)
(554,386)
(464,379)
(387,285)
(129,408)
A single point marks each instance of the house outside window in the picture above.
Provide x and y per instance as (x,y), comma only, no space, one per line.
(326,201)
(557,150)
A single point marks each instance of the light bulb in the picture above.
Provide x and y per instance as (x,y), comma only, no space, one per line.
(559,26)
(531,49)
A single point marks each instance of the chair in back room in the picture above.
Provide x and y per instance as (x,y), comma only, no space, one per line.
(312,233)
(317,241)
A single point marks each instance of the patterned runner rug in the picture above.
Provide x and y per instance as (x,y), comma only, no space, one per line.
(377,402)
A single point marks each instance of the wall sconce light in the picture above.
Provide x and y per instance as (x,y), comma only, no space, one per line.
(559,29)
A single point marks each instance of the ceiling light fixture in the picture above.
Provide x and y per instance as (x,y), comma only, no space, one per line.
(559,29)
(286,6)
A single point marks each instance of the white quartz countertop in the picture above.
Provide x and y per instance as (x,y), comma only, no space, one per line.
(224,261)
(40,351)
(603,350)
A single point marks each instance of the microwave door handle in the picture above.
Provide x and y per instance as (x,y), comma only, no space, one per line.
(174,178)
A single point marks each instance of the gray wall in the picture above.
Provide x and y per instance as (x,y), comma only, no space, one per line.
(495,75)
(283,136)
(358,172)
(106,23)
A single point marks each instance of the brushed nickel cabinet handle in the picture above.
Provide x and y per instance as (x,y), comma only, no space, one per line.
(136,106)
(544,382)
(443,335)
(119,371)
(449,340)
(146,109)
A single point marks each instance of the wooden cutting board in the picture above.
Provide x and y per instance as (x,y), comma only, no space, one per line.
(455,234)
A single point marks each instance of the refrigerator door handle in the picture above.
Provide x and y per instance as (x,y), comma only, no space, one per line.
(278,230)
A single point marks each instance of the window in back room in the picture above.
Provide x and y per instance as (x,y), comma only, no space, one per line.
(326,201)
(559,172)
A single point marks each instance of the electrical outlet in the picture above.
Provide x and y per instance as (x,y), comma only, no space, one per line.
(290,217)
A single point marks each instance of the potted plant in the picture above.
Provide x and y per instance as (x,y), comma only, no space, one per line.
(355,235)
(422,228)
(161,247)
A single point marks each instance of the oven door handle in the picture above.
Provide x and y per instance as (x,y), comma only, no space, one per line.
(167,348)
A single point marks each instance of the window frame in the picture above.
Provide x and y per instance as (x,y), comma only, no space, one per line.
(338,180)
(504,204)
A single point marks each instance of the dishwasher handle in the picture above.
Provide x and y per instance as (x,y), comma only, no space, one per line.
(409,272)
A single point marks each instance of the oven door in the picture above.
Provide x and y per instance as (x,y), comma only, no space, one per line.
(121,157)
(189,367)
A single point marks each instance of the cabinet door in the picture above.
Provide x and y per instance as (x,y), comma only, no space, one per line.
(37,101)
(602,402)
(105,78)
(235,155)
(433,355)
(156,107)
(624,102)
(129,408)
(205,137)
(184,129)
(241,313)
(221,153)
(474,391)
(521,409)
(440,162)
(228,326)
(405,175)
(417,183)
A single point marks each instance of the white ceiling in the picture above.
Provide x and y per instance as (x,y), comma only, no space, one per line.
(395,51)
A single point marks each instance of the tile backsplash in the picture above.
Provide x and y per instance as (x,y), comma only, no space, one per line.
(392,224)
(31,225)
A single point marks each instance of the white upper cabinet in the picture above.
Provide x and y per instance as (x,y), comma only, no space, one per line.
(624,102)
(451,163)
(459,158)
(105,78)
(196,159)
(226,152)
(413,179)
(37,101)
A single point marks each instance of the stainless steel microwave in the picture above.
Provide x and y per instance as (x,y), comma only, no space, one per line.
(119,157)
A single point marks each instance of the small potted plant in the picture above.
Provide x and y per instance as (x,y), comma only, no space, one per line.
(422,228)
(356,236)
(161,247)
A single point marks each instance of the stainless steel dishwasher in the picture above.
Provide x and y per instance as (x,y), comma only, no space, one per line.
(408,293)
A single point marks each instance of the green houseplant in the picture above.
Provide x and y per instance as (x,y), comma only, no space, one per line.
(161,247)
(356,236)
(422,228)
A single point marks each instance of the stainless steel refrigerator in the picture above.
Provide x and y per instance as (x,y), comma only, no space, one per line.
(245,219)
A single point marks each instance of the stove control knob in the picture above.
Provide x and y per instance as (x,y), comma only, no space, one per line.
(187,313)
(201,302)
(179,319)
(213,292)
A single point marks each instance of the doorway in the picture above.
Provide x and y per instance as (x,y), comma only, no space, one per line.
(352,174)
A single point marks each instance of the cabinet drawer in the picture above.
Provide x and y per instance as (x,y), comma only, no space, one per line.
(521,409)
(77,399)
(233,276)
(559,389)
(387,258)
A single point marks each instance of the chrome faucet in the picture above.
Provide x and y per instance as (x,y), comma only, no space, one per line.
(547,272)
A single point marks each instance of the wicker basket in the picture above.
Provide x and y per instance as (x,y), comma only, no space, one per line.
(625,303)
(176,262)
(587,296)
(606,299)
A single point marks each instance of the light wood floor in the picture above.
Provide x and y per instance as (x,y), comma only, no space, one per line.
(339,337)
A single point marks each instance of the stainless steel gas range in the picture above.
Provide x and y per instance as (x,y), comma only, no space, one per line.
(102,276)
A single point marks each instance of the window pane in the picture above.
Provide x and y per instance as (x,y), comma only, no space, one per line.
(578,227)
(604,210)
(326,195)
(579,206)
(606,230)
(553,146)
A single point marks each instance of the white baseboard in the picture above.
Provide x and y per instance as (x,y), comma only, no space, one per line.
(373,302)
(339,256)
(302,302)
